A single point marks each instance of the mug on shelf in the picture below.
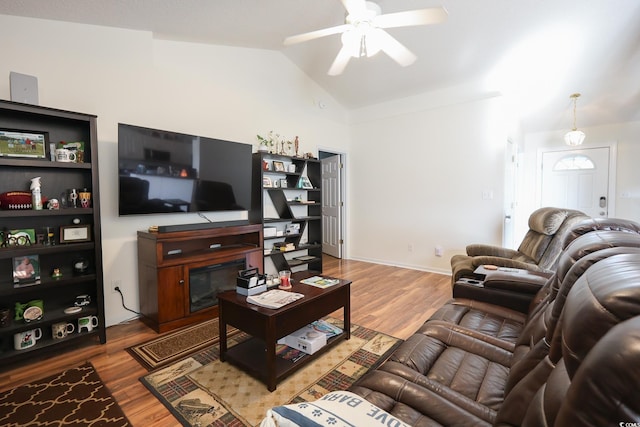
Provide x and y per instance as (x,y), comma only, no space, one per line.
(87,323)
(85,198)
(65,155)
(25,339)
(61,330)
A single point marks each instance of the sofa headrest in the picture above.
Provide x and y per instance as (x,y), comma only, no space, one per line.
(592,242)
(605,388)
(547,220)
(591,224)
(605,295)
(561,288)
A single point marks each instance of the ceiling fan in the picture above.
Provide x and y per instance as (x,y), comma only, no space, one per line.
(363,32)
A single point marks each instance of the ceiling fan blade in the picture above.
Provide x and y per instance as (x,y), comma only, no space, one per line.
(341,61)
(354,6)
(396,50)
(433,15)
(299,38)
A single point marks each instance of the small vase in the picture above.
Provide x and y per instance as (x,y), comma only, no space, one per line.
(263,148)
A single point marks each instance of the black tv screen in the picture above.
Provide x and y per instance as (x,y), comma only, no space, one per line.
(168,172)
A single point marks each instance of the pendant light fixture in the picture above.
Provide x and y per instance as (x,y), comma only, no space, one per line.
(575,136)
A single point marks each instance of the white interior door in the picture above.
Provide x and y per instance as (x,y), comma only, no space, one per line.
(331,207)
(577,179)
(510,194)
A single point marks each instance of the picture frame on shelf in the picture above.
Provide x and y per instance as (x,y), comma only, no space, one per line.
(75,233)
(23,143)
(283,183)
(19,237)
(266,182)
(278,166)
(305,183)
(26,270)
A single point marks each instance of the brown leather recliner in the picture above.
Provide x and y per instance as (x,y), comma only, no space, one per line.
(538,251)
(443,376)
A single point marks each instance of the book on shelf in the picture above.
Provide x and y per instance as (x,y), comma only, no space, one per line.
(320,282)
(274,298)
(284,246)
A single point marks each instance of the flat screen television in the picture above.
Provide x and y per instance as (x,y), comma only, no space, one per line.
(168,172)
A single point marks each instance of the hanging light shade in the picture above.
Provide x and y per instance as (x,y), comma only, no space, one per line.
(574,136)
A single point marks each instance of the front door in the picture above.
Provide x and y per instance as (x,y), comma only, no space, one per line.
(577,179)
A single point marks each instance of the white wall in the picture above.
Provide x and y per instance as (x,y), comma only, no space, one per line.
(127,76)
(418,174)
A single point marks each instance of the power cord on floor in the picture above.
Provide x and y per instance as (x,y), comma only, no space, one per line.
(117,289)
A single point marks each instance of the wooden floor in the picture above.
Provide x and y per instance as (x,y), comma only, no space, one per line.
(392,300)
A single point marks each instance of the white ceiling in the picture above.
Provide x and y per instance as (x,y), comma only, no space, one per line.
(535,52)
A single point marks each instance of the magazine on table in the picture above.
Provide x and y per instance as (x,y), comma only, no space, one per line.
(320,282)
(274,298)
(330,330)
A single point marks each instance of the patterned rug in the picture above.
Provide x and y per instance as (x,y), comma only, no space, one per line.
(176,345)
(75,397)
(202,391)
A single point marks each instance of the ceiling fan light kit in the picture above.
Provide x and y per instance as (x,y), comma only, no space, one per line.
(574,137)
(363,33)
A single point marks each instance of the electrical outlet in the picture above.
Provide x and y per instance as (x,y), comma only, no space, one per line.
(116,283)
(439,251)
(410,247)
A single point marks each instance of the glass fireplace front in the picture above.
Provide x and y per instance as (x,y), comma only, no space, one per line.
(206,282)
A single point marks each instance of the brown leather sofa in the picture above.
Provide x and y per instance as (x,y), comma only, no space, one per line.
(476,363)
(538,251)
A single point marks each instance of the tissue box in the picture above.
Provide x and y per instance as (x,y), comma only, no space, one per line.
(307,340)
(251,291)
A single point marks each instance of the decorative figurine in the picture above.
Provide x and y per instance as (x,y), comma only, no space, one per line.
(56,274)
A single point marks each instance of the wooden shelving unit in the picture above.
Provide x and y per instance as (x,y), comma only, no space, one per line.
(57,177)
(278,201)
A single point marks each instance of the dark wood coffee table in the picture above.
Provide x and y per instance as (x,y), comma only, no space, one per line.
(257,355)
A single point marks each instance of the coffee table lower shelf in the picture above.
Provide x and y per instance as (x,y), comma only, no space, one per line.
(251,357)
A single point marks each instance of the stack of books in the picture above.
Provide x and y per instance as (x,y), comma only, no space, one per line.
(284,246)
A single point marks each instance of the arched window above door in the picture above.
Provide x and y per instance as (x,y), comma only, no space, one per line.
(574,162)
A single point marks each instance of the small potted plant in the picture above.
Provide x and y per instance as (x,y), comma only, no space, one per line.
(267,143)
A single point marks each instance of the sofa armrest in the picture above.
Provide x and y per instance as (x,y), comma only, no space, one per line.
(473,289)
(489,250)
(504,262)
(513,282)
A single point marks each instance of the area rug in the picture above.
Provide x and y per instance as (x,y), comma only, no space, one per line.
(203,391)
(75,397)
(176,345)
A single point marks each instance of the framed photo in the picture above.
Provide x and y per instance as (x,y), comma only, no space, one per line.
(75,233)
(19,143)
(20,237)
(304,183)
(266,182)
(283,183)
(26,270)
(278,166)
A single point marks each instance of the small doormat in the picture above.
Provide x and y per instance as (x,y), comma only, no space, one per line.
(201,390)
(176,345)
(75,397)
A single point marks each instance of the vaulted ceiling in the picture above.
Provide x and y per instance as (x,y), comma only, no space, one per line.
(534,52)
